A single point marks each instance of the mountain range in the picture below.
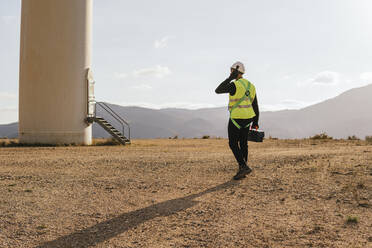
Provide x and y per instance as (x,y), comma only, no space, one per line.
(347,114)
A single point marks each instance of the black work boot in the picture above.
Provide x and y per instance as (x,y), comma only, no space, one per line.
(243,171)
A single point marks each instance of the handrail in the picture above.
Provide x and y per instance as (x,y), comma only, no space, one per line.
(117,117)
(114,112)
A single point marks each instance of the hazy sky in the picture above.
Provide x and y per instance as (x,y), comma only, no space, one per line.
(169,53)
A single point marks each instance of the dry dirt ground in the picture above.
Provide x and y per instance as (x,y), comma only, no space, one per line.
(179,193)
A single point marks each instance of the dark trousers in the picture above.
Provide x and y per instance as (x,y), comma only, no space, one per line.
(238,140)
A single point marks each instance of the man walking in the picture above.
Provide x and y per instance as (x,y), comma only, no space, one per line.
(244,114)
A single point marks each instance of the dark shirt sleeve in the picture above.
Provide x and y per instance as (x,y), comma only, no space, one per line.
(256,110)
(226,87)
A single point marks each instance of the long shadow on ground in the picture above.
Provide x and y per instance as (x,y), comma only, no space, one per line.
(118,225)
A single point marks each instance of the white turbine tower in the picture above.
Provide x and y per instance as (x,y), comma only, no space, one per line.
(54,64)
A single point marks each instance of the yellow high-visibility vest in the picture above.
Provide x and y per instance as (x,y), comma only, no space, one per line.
(244,96)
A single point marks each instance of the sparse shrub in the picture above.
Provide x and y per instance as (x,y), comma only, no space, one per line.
(353,138)
(205,137)
(369,139)
(321,136)
(360,185)
(106,142)
(9,143)
(272,138)
(41,227)
(316,229)
(5,142)
(352,220)
(175,137)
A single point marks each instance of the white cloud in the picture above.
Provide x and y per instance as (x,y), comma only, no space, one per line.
(184,105)
(366,76)
(293,103)
(121,75)
(286,104)
(8,96)
(322,78)
(156,71)
(163,42)
(8,115)
(287,77)
(326,78)
(8,109)
(142,87)
(9,19)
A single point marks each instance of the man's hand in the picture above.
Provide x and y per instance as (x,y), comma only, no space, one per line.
(234,74)
(255,126)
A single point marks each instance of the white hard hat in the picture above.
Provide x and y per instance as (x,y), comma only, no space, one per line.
(239,66)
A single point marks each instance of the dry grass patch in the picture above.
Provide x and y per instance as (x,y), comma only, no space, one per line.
(179,193)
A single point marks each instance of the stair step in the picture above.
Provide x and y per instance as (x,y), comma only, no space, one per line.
(119,136)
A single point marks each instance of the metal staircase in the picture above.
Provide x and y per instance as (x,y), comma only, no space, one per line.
(113,131)
(107,111)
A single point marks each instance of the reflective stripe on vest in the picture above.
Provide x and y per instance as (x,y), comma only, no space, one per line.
(241,106)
